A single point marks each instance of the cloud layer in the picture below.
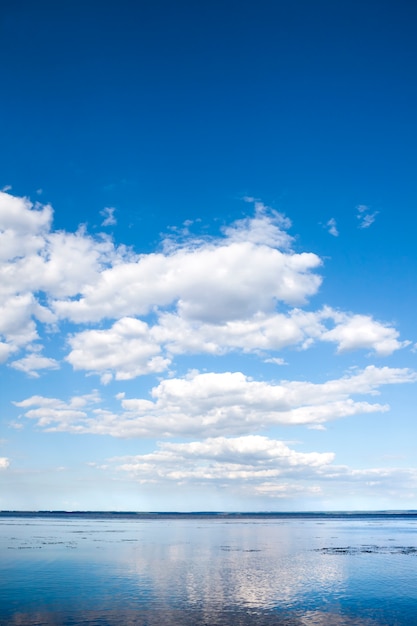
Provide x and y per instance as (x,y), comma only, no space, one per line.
(213,404)
(119,315)
(235,292)
(255,465)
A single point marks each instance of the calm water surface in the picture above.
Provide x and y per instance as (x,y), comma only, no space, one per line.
(208,571)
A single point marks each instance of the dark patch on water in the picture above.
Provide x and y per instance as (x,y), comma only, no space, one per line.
(231,549)
(365,549)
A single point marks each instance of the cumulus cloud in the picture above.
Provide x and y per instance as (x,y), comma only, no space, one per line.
(5,351)
(127,349)
(17,325)
(50,410)
(352,332)
(87,279)
(227,281)
(197,295)
(244,291)
(266,227)
(38,264)
(276,331)
(22,226)
(32,363)
(250,458)
(222,404)
(4,462)
(131,348)
(248,269)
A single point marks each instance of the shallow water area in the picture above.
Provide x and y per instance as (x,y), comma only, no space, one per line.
(208,570)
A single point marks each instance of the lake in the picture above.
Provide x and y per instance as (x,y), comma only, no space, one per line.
(213,570)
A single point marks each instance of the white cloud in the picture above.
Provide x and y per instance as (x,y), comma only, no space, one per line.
(5,351)
(365,216)
(16,323)
(353,332)
(250,458)
(51,410)
(37,265)
(222,404)
(248,269)
(127,349)
(131,348)
(332,480)
(256,333)
(267,227)
(276,361)
(332,227)
(108,214)
(260,466)
(23,226)
(4,462)
(202,295)
(68,262)
(275,331)
(242,291)
(367,220)
(289,491)
(34,362)
(211,283)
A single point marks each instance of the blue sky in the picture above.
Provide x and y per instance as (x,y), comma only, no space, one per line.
(207,255)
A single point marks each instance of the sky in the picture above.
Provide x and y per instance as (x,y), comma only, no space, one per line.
(207,255)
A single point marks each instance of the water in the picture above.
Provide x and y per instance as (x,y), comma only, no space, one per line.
(208,570)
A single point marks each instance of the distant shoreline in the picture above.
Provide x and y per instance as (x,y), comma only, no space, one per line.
(144,515)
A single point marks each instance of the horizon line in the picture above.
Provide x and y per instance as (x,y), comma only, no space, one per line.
(200,512)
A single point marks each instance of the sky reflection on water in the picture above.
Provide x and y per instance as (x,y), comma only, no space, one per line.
(213,572)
